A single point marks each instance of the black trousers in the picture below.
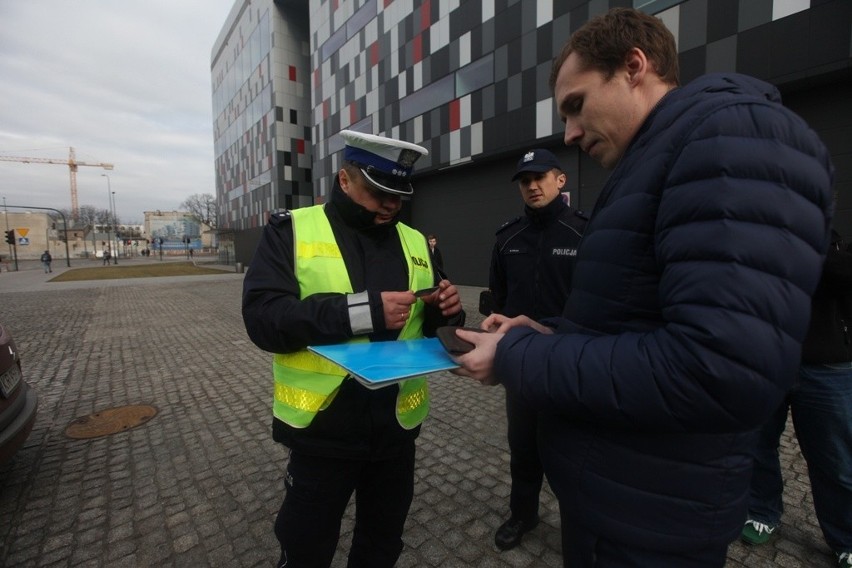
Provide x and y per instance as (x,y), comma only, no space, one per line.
(318,491)
(525,464)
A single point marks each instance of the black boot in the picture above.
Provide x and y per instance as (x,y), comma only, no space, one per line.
(509,534)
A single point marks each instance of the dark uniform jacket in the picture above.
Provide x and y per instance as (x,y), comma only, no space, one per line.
(533,258)
(690,300)
(359,423)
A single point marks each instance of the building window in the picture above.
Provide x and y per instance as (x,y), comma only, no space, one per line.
(654,6)
(429,97)
(475,76)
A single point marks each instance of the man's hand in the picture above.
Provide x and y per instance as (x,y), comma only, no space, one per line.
(479,363)
(396,307)
(446,298)
(499,323)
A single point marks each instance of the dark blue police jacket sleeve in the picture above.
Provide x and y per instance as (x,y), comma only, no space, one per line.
(276,319)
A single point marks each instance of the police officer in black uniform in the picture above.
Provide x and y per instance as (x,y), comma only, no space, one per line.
(357,440)
(531,267)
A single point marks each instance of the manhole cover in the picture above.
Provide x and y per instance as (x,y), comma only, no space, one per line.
(110,421)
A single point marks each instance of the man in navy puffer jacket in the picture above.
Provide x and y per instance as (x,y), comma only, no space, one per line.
(690,300)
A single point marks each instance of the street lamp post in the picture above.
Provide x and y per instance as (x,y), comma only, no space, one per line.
(115,228)
(110,193)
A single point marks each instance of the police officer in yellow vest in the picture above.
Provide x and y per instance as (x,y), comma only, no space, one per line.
(342,272)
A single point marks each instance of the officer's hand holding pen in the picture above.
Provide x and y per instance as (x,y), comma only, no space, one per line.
(446,298)
(396,307)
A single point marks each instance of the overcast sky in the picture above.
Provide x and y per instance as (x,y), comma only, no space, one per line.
(125,82)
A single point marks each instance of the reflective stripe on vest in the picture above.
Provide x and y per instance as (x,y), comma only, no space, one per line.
(306,383)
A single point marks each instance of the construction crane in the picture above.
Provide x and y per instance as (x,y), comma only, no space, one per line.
(72,164)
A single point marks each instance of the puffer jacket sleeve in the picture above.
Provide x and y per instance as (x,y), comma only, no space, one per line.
(737,246)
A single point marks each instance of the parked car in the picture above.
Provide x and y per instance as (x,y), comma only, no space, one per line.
(18,401)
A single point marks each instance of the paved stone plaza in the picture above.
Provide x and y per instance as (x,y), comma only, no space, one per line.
(200,483)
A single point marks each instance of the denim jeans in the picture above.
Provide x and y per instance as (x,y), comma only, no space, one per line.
(821,406)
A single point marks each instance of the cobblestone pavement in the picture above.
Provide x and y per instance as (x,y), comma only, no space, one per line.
(200,483)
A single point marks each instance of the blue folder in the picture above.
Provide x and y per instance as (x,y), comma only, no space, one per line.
(383,363)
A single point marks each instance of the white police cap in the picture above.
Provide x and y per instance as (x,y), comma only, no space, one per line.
(387,164)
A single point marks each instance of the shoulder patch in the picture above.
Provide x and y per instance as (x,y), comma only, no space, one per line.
(280,218)
(507,224)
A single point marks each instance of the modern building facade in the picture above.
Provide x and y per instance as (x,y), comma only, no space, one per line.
(468,79)
(261,112)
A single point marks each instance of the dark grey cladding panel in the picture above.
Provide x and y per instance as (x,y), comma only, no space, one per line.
(488,43)
(435,126)
(488,101)
(466,17)
(455,55)
(578,16)
(514,56)
(465,141)
(528,92)
(540,85)
(692,25)
(720,20)
(440,63)
(754,51)
(506,26)
(529,51)
(544,43)
(560,32)
(692,63)
(753,13)
(789,57)
(501,98)
(501,63)
(528,16)
(830,37)
(514,92)
(476,42)
(722,55)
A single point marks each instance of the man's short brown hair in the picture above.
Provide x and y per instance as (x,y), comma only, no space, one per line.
(603,42)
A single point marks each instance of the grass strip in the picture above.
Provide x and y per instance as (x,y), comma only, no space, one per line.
(114,272)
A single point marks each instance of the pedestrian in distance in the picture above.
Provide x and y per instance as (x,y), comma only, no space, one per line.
(46,259)
(531,267)
(107,256)
(435,253)
(689,301)
(820,403)
(346,271)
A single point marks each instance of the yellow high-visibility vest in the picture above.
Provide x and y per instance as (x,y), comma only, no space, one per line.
(306,383)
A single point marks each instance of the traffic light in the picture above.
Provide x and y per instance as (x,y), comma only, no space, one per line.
(10,236)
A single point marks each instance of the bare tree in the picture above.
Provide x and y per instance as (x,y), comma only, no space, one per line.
(202,207)
(103,219)
(87,216)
